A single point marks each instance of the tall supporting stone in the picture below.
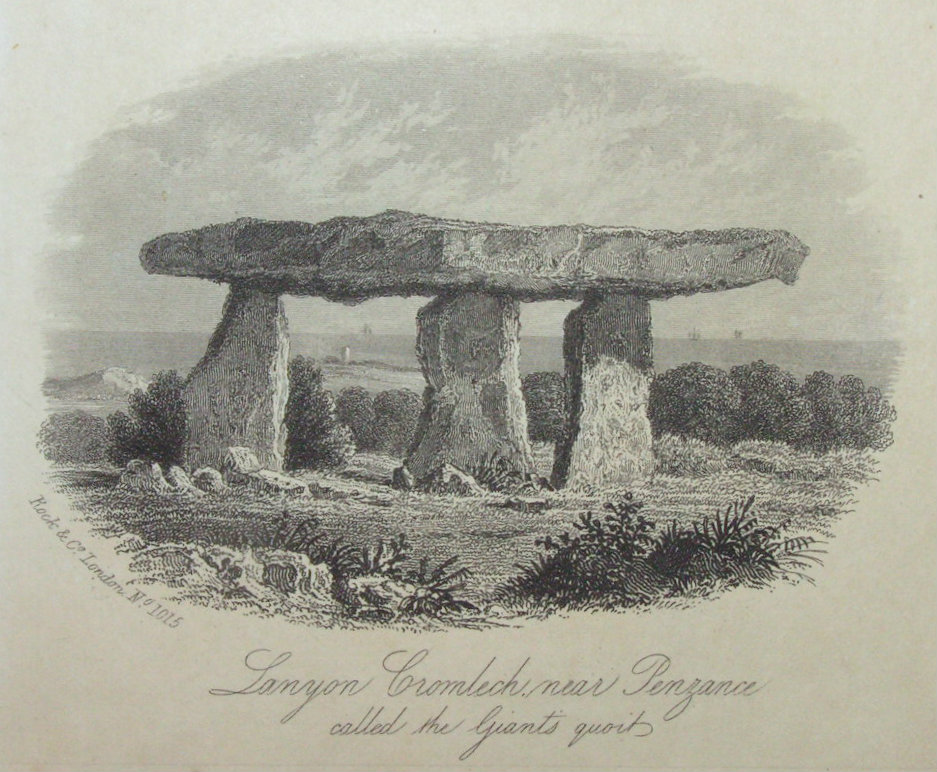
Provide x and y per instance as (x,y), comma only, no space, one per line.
(608,352)
(236,395)
(473,407)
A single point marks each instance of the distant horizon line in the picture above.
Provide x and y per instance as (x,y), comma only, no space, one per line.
(702,337)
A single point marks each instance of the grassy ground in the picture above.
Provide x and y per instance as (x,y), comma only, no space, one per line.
(804,495)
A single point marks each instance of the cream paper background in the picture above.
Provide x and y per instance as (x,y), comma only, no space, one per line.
(89,682)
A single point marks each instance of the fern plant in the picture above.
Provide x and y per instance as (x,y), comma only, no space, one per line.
(436,589)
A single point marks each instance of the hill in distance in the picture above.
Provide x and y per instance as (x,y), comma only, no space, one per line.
(102,385)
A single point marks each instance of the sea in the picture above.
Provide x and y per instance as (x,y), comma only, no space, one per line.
(392,357)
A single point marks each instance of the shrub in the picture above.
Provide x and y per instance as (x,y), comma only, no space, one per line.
(846,414)
(772,406)
(355,409)
(825,403)
(75,437)
(594,563)
(314,437)
(436,589)
(867,415)
(688,457)
(396,414)
(619,560)
(545,398)
(760,401)
(156,428)
(695,400)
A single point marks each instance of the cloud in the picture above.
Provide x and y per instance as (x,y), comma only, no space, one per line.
(555,131)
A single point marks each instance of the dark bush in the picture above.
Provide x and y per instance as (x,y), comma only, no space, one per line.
(763,403)
(75,437)
(867,415)
(396,414)
(695,400)
(619,560)
(355,409)
(772,407)
(315,438)
(826,412)
(156,428)
(545,398)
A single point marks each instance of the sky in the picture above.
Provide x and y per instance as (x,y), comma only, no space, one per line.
(657,119)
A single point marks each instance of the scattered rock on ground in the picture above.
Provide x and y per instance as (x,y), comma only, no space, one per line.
(376,595)
(266,481)
(145,476)
(527,503)
(449,479)
(292,572)
(402,479)
(181,482)
(241,467)
(215,574)
(208,480)
(239,461)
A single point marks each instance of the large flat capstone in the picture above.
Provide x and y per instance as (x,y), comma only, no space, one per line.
(399,253)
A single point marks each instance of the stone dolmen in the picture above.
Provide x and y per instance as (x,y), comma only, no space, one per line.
(468,335)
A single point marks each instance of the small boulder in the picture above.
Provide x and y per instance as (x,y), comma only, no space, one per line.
(239,461)
(402,479)
(292,572)
(450,479)
(145,476)
(376,595)
(241,467)
(527,504)
(266,481)
(181,482)
(208,480)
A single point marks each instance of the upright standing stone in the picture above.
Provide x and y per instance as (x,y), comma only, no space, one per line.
(474,409)
(236,395)
(608,353)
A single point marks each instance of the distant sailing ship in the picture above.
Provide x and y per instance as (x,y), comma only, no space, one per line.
(694,334)
(737,334)
(366,330)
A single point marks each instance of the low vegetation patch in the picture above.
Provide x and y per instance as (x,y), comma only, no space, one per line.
(621,560)
(396,584)
(688,456)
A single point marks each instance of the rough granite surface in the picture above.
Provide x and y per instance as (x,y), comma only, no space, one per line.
(474,408)
(236,395)
(399,253)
